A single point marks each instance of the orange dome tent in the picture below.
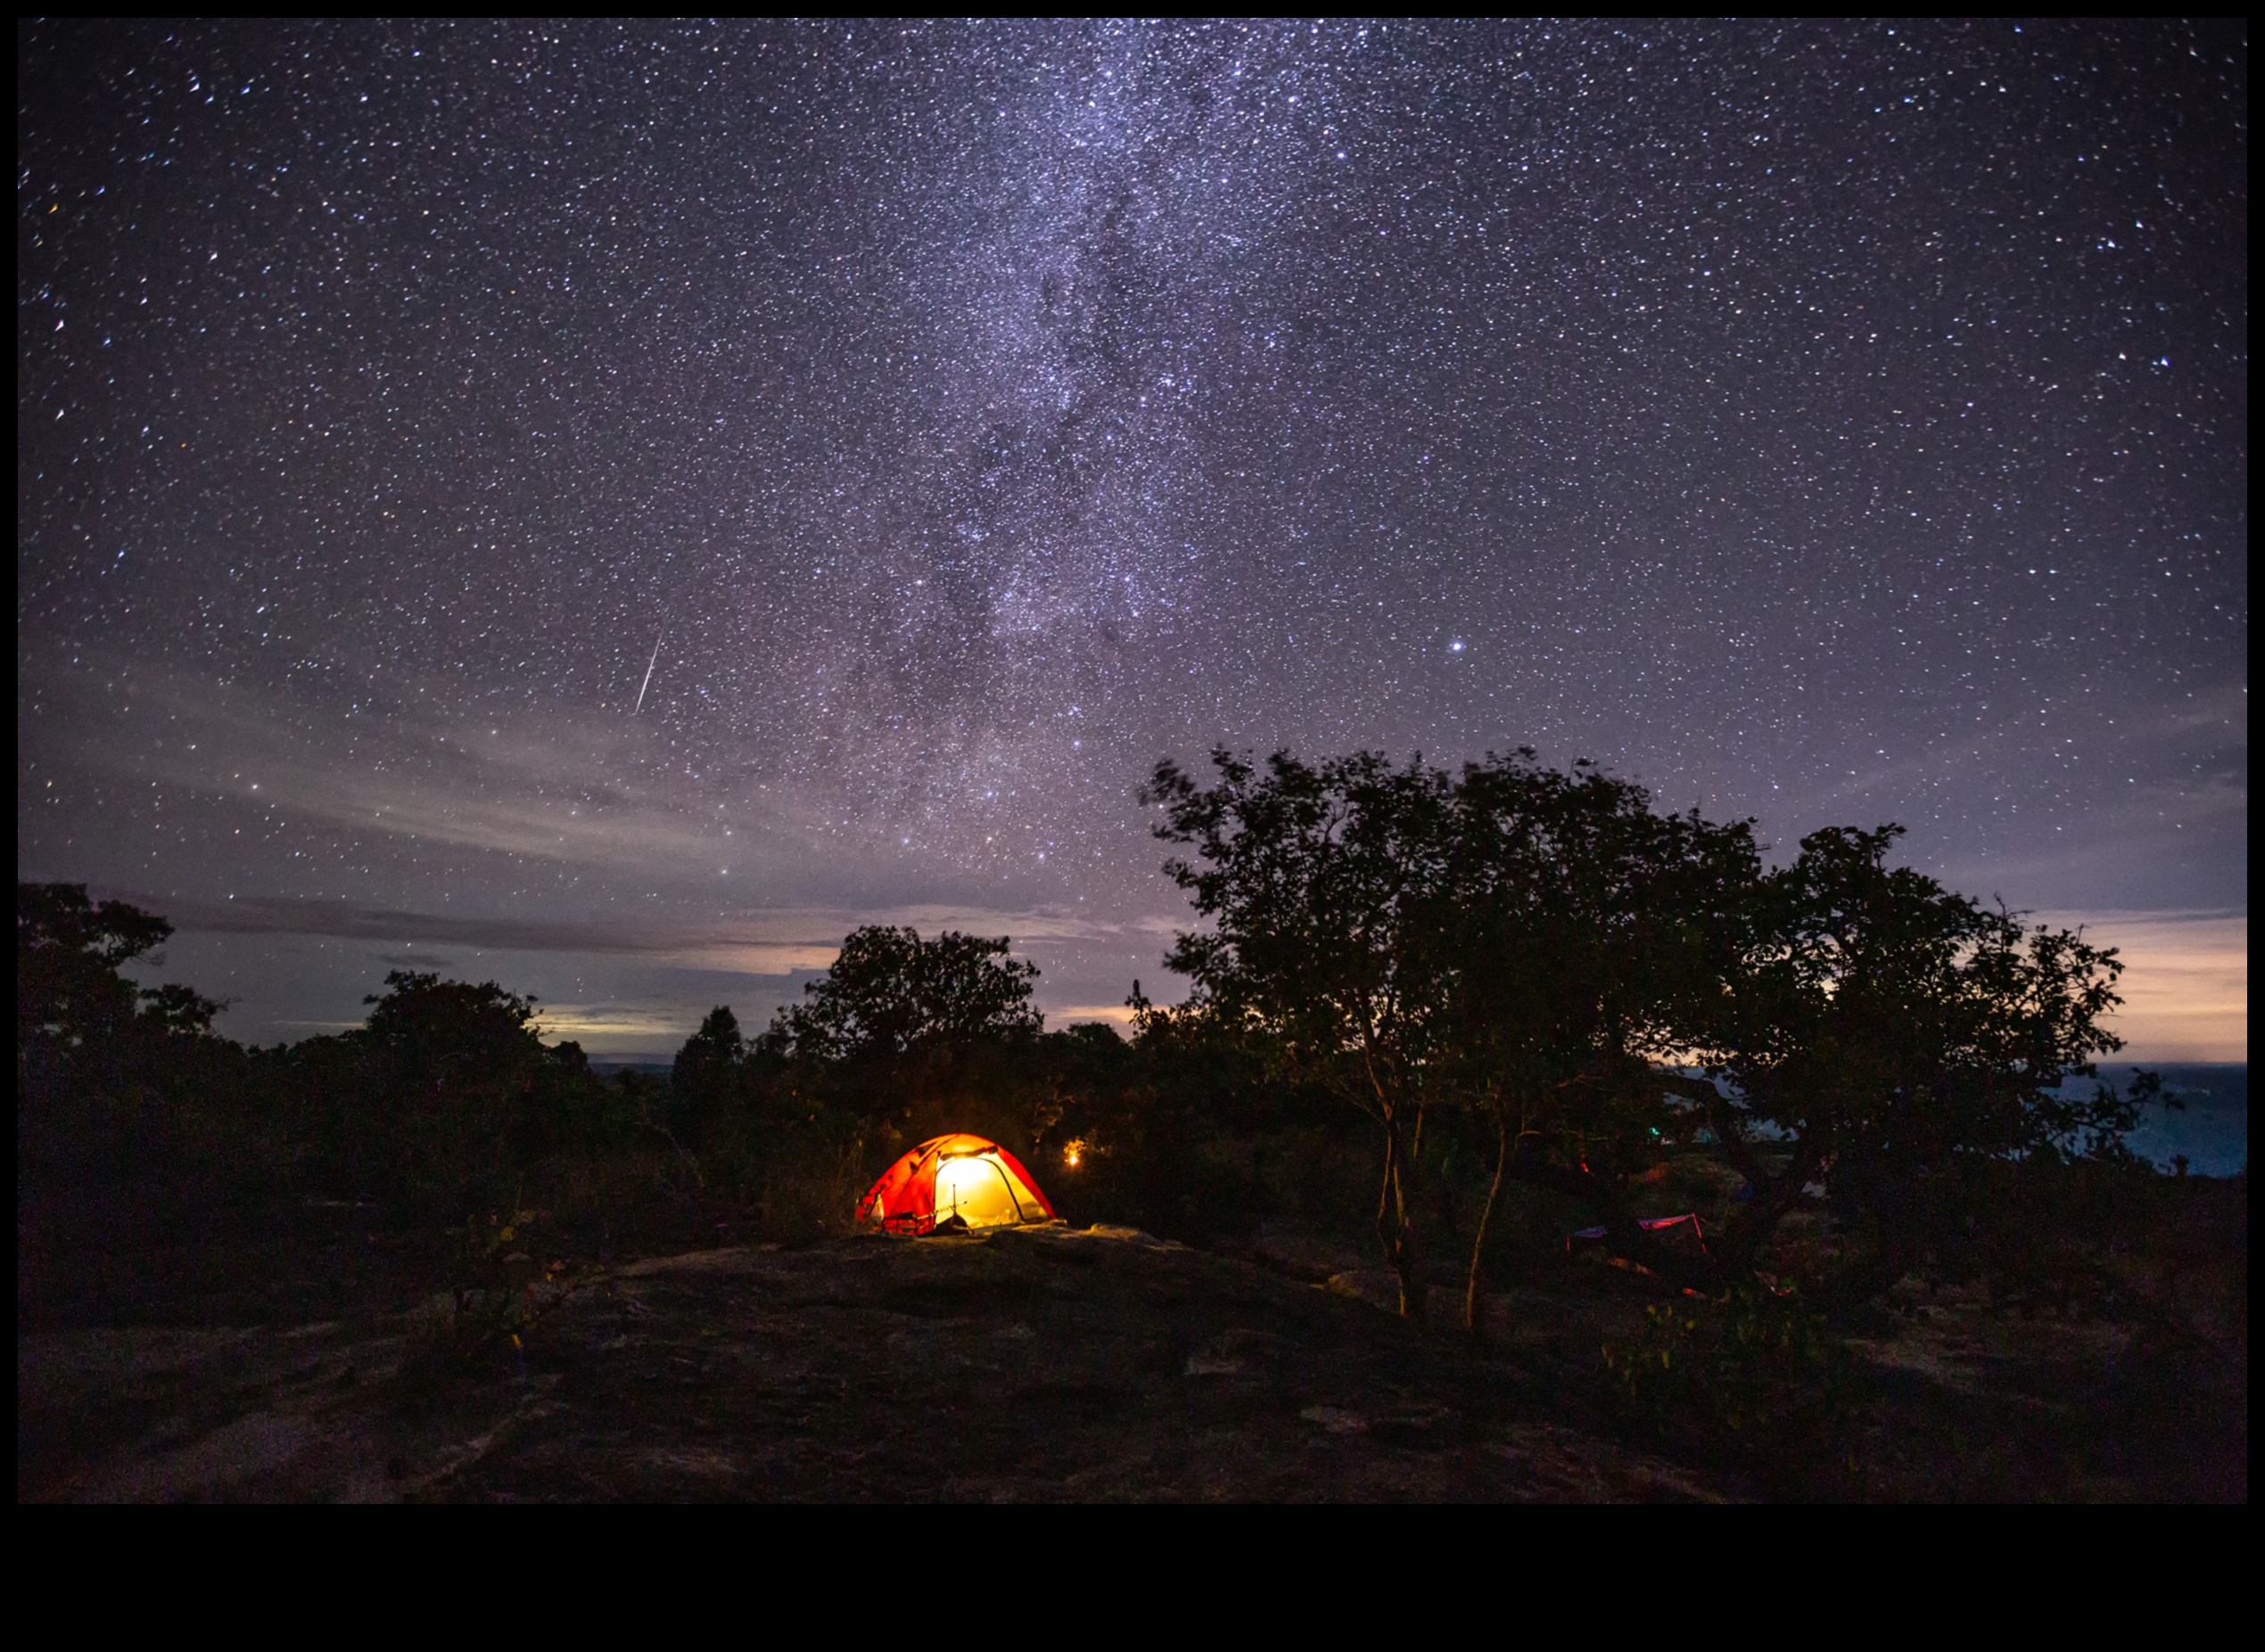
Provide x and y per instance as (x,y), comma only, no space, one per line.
(959,1180)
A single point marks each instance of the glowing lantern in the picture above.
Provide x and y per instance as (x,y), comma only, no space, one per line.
(963,1181)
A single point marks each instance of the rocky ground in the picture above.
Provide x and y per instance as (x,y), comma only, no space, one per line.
(1101,1365)
(1036,1365)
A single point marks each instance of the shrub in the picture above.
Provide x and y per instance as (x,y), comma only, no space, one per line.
(1752,1378)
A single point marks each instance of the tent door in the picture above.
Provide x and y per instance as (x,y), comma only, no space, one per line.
(974,1189)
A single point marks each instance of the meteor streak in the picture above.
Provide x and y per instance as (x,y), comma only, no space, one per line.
(648,683)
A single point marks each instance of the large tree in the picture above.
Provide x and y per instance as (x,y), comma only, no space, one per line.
(1882,1034)
(72,1000)
(1575,927)
(890,993)
(444,1098)
(1508,940)
(118,1087)
(902,1031)
(1320,887)
(1545,953)
(707,1075)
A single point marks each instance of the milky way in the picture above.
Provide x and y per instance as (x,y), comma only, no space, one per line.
(1828,422)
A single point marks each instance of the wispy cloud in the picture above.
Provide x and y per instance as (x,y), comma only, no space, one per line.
(2185,981)
(591,792)
(1115,1014)
(611,1026)
(765,942)
(2215,720)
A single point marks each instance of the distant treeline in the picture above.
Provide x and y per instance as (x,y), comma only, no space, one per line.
(1428,989)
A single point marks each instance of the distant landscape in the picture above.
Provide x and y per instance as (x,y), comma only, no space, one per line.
(1438,1059)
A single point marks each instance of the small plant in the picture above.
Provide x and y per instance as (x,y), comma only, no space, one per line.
(491,1271)
(491,1306)
(1753,1375)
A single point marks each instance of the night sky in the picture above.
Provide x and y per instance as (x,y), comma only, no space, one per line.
(1828,423)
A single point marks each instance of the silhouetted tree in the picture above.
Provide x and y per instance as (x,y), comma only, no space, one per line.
(706,1077)
(1577,927)
(72,1005)
(1540,949)
(1886,1032)
(1320,886)
(449,1076)
(903,1028)
(431,1033)
(126,1102)
(889,992)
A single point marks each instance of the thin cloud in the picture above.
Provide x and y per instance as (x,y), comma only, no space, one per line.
(2185,981)
(585,791)
(774,942)
(1115,1014)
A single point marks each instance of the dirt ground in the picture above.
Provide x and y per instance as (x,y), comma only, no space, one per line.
(1033,1364)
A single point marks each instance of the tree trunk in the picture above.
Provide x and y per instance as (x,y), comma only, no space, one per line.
(1472,1316)
(1773,1197)
(1392,1225)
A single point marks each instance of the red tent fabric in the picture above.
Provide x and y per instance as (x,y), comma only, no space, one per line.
(961,1180)
(1665,1227)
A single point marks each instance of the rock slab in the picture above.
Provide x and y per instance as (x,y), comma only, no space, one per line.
(1026,1365)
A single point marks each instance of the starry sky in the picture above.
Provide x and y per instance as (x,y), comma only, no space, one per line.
(612,507)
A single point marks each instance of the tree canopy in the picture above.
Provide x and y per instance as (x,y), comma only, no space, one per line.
(70,994)
(1544,952)
(889,992)
(1891,1029)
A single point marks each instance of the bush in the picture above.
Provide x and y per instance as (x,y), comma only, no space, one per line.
(1751,1378)
(490,1307)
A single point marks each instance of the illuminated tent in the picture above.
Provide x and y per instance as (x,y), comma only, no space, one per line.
(956,1181)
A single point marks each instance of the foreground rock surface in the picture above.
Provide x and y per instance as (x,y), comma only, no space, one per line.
(1027,1365)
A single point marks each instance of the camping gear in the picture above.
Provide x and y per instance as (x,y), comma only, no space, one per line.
(1665,1227)
(953,1182)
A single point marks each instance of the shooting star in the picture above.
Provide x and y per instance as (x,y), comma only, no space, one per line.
(650,664)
